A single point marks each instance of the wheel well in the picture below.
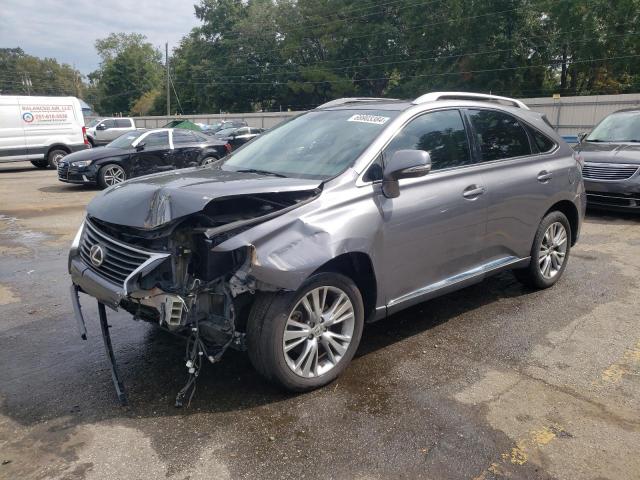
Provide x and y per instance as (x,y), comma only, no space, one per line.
(58,146)
(358,267)
(571,212)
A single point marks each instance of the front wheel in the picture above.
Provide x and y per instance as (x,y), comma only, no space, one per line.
(110,175)
(305,339)
(549,253)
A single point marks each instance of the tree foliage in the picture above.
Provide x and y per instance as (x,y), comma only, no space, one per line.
(130,68)
(22,74)
(268,54)
(250,55)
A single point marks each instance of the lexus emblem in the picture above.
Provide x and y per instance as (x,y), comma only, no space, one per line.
(96,255)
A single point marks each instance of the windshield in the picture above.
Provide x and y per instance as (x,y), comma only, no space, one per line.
(125,141)
(92,123)
(318,144)
(618,127)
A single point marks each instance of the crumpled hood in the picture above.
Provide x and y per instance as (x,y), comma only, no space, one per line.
(154,200)
(610,152)
(93,154)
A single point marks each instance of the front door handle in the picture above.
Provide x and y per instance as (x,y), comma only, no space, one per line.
(544,176)
(472,192)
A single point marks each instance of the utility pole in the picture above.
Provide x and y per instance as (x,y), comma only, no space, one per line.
(166,53)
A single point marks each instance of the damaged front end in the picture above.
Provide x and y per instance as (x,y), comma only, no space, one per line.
(171,276)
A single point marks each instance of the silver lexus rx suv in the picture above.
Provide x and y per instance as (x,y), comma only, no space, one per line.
(340,216)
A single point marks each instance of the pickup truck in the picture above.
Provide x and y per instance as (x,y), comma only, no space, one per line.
(104,130)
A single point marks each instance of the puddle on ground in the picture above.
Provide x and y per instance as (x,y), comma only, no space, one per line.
(14,238)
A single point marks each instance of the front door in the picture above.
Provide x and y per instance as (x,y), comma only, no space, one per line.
(152,154)
(432,231)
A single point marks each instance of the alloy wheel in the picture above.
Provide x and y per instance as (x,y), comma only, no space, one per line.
(113,175)
(318,331)
(55,160)
(553,250)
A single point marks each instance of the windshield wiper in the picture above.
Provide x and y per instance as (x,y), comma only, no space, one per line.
(263,172)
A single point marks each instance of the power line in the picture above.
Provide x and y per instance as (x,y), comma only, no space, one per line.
(522,67)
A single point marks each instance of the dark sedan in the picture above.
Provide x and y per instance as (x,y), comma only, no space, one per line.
(611,154)
(141,152)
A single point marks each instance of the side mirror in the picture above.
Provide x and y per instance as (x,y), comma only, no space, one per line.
(581,136)
(404,164)
(140,147)
(101,127)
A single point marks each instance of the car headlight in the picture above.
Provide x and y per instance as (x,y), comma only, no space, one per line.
(82,163)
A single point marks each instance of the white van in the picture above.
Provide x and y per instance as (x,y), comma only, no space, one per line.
(40,129)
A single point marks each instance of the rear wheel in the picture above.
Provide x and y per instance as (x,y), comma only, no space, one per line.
(111,174)
(305,339)
(209,160)
(55,156)
(549,253)
(40,163)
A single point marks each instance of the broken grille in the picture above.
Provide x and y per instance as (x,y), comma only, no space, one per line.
(119,260)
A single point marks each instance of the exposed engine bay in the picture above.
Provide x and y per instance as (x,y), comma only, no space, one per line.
(191,290)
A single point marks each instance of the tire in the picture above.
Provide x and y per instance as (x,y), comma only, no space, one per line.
(40,163)
(111,174)
(209,159)
(55,156)
(92,142)
(543,271)
(271,315)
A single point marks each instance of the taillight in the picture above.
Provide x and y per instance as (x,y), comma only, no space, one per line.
(228,147)
(84,135)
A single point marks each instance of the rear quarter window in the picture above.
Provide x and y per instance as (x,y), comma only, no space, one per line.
(543,143)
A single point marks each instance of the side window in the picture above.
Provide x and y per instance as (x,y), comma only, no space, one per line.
(123,123)
(499,135)
(442,134)
(182,136)
(157,140)
(109,123)
(542,142)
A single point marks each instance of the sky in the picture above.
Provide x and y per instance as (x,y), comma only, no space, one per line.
(67,29)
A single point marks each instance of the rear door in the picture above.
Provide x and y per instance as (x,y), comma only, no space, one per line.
(186,148)
(12,141)
(519,181)
(432,231)
(122,125)
(152,154)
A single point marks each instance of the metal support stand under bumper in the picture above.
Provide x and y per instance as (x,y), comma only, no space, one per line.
(117,383)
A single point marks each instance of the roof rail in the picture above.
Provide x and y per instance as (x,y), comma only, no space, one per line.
(480,97)
(343,101)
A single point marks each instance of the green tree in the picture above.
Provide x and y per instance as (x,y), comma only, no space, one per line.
(23,74)
(130,68)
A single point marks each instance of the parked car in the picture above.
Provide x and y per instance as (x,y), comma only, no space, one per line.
(216,127)
(40,129)
(105,130)
(343,215)
(237,137)
(611,154)
(140,152)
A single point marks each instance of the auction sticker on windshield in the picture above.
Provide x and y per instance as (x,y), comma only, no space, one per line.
(375,119)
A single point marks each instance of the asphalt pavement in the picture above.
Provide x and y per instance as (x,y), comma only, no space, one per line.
(494,381)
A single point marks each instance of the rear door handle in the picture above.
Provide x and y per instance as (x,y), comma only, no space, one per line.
(544,176)
(472,192)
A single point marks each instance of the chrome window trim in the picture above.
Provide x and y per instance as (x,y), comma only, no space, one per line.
(387,135)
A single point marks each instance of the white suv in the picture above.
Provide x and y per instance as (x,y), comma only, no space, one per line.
(103,131)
